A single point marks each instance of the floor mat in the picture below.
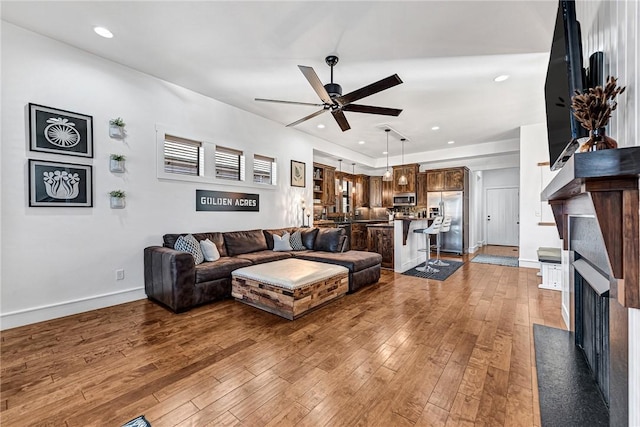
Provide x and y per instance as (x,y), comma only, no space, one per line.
(442,274)
(509,261)
(568,393)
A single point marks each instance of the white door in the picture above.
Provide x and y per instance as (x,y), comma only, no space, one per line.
(503,216)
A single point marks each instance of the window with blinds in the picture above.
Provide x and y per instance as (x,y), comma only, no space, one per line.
(264,169)
(229,164)
(182,156)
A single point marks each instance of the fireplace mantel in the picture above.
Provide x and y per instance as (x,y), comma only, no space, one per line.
(604,184)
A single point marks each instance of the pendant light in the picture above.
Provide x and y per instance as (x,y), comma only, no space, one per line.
(339,189)
(353,172)
(388,176)
(403,178)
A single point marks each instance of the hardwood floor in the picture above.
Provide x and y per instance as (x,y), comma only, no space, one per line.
(407,351)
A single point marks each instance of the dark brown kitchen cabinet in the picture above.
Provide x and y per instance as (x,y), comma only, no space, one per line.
(451,179)
(435,180)
(323,185)
(358,236)
(362,191)
(329,192)
(454,179)
(410,171)
(387,194)
(421,189)
(375,191)
(380,240)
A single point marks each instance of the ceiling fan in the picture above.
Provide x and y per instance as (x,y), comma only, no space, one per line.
(333,100)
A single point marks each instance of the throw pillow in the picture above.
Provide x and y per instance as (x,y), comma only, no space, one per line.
(209,250)
(281,244)
(189,244)
(296,241)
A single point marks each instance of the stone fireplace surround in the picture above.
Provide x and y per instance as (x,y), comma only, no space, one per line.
(595,202)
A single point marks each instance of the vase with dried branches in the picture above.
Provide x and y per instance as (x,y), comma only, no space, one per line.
(593,110)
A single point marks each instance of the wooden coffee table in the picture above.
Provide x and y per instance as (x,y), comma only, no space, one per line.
(289,287)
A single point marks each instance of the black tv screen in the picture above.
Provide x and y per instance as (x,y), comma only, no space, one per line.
(565,76)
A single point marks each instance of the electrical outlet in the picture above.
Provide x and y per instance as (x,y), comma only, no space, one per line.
(120,274)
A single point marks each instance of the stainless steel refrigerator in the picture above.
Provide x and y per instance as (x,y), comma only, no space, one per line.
(449,203)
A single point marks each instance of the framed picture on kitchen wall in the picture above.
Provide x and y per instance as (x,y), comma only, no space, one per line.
(52,130)
(298,173)
(55,184)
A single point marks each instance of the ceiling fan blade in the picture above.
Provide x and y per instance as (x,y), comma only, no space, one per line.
(368,90)
(356,108)
(310,116)
(316,84)
(288,102)
(341,119)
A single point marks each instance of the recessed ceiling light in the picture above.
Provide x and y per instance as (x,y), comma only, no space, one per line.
(435,128)
(385,152)
(320,126)
(360,142)
(101,31)
(451,142)
(501,78)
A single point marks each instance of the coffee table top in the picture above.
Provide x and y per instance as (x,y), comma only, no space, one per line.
(290,273)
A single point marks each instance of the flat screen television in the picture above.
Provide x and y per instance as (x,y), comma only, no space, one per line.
(565,75)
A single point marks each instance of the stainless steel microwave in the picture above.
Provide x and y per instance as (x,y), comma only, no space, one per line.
(404,199)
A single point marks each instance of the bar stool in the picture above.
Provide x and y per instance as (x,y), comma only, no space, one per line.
(434,228)
(446,226)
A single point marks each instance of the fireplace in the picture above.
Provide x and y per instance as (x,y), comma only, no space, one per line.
(596,204)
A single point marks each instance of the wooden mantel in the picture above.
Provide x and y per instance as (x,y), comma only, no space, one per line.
(604,184)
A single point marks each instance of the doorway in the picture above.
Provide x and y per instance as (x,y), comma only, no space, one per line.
(502,216)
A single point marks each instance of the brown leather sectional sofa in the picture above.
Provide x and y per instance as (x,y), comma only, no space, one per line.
(173,280)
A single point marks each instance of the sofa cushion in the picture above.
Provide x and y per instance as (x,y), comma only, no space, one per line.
(353,260)
(308,237)
(281,243)
(296,241)
(264,256)
(189,244)
(217,238)
(268,234)
(244,242)
(208,271)
(329,240)
(209,250)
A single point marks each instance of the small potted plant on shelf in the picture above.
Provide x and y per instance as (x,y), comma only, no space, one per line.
(117,199)
(593,109)
(116,163)
(116,128)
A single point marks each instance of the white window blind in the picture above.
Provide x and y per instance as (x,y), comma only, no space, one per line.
(264,169)
(182,156)
(229,164)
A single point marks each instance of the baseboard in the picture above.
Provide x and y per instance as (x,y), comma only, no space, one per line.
(565,317)
(529,263)
(53,311)
(473,249)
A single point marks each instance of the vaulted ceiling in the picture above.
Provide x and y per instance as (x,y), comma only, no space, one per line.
(446,52)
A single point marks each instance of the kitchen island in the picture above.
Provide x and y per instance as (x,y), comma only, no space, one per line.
(398,244)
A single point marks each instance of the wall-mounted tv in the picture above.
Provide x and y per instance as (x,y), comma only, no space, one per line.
(565,75)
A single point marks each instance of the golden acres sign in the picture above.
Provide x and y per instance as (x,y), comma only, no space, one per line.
(223,201)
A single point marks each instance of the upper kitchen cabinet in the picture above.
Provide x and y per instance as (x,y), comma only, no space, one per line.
(362,195)
(421,189)
(411,172)
(323,185)
(451,179)
(375,191)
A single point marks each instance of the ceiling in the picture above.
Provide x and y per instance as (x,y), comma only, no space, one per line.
(446,52)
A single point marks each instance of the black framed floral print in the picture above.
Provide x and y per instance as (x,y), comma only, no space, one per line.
(298,172)
(52,130)
(56,184)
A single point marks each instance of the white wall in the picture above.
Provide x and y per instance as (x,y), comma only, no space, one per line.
(613,27)
(533,150)
(59,261)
